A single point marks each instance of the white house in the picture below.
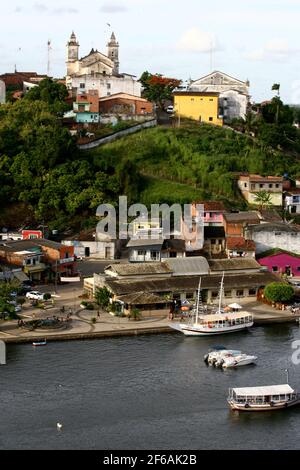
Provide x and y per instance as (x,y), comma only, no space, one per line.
(274,235)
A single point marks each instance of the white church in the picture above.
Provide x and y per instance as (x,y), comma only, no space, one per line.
(97,71)
(233,93)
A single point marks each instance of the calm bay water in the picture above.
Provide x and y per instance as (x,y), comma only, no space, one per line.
(147,392)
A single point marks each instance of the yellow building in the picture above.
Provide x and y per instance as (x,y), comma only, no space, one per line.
(200,106)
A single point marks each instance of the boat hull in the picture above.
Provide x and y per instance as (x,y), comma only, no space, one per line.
(263,407)
(198,330)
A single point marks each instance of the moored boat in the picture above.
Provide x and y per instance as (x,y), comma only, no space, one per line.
(267,398)
(39,343)
(214,324)
(238,361)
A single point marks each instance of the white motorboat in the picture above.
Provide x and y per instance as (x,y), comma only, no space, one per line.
(227,358)
(215,324)
(238,361)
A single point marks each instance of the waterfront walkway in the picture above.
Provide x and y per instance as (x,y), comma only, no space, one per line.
(81,325)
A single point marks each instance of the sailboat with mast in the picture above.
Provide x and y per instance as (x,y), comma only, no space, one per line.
(217,323)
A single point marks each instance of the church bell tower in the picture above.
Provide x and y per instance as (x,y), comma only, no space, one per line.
(113,53)
(72,54)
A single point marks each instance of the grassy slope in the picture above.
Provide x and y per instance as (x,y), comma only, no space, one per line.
(179,165)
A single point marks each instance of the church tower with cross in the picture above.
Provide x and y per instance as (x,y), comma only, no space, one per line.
(113,53)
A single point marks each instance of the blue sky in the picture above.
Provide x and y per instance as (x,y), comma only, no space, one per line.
(254,39)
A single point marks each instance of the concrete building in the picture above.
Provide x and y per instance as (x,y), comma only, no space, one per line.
(233,93)
(235,222)
(268,236)
(124,103)
(280,262)
(212,212)
(89,244)
(2,92)
(214,241)
(238,247)
(97,71)
(179,281)
(199,106)
(86,107)
(250,185)
(292,201)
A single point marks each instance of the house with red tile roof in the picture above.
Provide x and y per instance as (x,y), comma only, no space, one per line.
(239,247)
(251,184)
(212,212)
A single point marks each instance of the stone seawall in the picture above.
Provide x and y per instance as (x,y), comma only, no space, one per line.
(89,335)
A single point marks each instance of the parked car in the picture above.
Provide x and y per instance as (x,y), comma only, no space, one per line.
(34,295)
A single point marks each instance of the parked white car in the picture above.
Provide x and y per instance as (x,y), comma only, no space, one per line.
(170,109)
(35,295)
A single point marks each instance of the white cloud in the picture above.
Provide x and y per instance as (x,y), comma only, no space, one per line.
(195,40)
(113,8)
(63,10)
(276,50)
(40,7)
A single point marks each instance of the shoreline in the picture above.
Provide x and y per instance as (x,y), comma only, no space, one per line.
(133,331)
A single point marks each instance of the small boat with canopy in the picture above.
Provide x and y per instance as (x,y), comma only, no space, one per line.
(267,398)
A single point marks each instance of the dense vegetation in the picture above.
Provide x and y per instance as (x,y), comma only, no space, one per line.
(44,177)
(279,292)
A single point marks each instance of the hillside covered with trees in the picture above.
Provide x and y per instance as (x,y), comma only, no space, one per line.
(44,178)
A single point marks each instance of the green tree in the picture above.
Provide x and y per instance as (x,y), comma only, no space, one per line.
(51,92)
(263,199)
(279,292)
(102,297)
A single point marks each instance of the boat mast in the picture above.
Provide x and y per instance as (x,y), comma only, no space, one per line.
(221,293)
(198,301)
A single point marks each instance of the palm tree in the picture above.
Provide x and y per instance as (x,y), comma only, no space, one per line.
(263,199)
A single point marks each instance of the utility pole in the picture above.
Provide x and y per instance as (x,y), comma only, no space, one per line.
(48,57)
(55,278)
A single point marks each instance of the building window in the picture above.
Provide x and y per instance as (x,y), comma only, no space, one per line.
(142,253)
(214,294)
(210,119)
(192,99)
(277,234)
(275,269)
(245,185)
(108,86)
(240,293)
(211,99)
(270,186)
(277,185)
(227,293)
(261,185)
(32,236)
(252,186)
(252,291)
(82,85)
(298,268)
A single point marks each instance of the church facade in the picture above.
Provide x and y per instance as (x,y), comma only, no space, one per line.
(233,93)
(97,71)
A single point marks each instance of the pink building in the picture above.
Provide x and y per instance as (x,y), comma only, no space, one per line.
(213,212)
(280,262)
